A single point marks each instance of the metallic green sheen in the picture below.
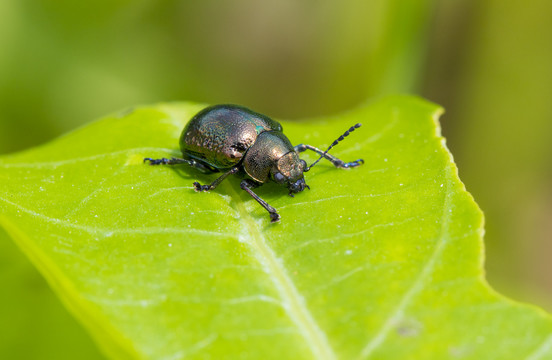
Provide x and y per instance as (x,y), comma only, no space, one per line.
(264,155)
(220,135)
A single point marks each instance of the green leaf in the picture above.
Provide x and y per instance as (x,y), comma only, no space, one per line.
(383,261)
(34,323)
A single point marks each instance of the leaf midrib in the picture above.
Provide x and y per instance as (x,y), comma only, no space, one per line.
(292,301)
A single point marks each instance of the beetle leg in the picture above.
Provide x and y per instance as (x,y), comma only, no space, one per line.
(214,184)
(165,161)
(175,161)
(247,186)
(335,161)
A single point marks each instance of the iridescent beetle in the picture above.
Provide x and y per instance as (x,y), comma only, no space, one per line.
(235,140)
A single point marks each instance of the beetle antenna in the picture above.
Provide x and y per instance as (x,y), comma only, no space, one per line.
(345,134)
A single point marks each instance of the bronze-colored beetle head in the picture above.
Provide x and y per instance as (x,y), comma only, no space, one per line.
(288,171)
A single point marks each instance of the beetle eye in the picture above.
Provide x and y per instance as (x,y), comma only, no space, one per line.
(303,164)
(279,178)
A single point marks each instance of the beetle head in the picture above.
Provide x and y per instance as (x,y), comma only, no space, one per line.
(288,171)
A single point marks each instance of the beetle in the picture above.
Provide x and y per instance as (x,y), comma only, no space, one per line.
(236,140)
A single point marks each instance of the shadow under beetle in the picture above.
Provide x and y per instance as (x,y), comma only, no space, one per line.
(235,140)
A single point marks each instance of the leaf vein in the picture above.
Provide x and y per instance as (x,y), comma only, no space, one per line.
(97,231)
(71,161)
(292,302)
(336,280)
(544,348)
(416,286)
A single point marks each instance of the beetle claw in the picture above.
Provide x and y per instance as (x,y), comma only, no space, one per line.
(163,161)
(198,187)
(153,161)
(274,217)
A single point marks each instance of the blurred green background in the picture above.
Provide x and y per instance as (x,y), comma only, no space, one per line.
(488,62)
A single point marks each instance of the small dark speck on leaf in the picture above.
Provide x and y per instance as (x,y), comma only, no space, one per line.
(409,328)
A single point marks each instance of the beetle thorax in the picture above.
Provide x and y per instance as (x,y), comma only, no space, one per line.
(262,158)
